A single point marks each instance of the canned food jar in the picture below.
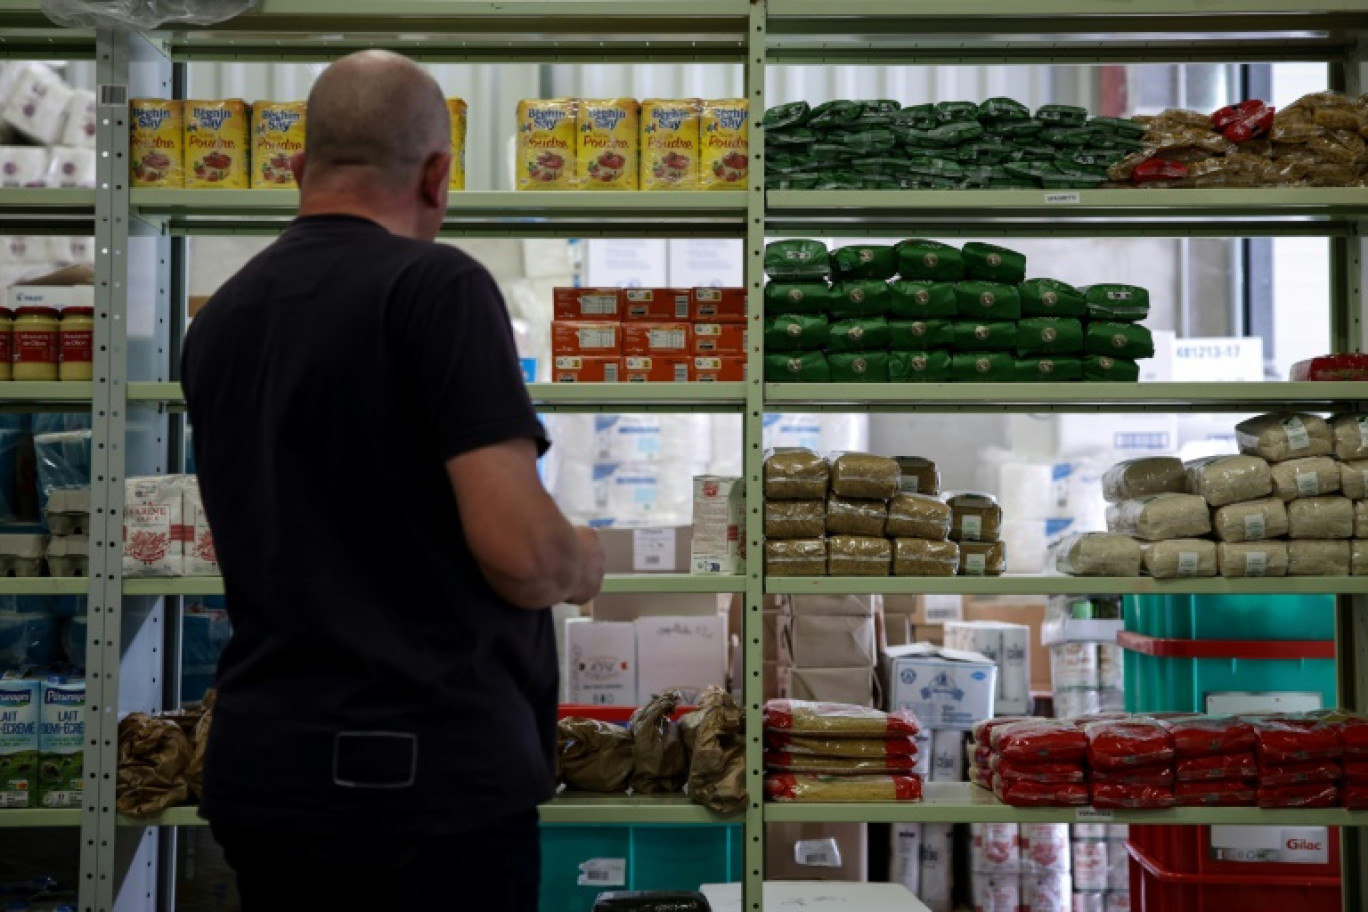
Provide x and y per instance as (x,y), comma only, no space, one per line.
(35,343)
(77,335)
(6,343)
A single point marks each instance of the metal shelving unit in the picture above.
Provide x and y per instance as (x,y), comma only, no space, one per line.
(23,818)
(640,583)
(44,585)
(1050,584)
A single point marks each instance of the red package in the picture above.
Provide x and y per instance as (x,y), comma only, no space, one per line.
(1040,741)
(803,787)
(1216,793)
(982,777)
(1139,741)
(1206,736)
(896,746)
(1316,795)
(1116,795)
(1355,797)
(1351,366)
(1174,714)
(1158,169)
(1022,793)
(1255,119)
(839,766)
(1353,731)
(1085,720)
(1157,775)
(1288,740)
(1355,770)
(1221,766)
(983,756)
(1038,772)
(1279,774)
(983,731)
(1233,114)
(838,720)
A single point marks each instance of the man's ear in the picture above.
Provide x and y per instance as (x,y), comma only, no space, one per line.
(436,173)
(297,168)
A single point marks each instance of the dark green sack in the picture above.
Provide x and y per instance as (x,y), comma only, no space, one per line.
(1063,115)
(917,299)
(859,367)
(797,298)
(857,335)
(789,139)
(880,106)
(1051,298)
(1067,137)
(1002,109)
(797,259)
(1118,303)
(786,116)
(1017,130)
(860,298)
(834,114)
(983,337)
(942,137)
(809,367)
(1119,126)
(795,332)
(929,260)
(920,335)
(878,164)
(1104,369)
(867,142)
(865,261)
(918,366)
(1048,370)
(987,301)
(1119,340)
(982,367)
(957,111)
(917,117)
(991,263)
(1050,336)
(986,152)
(1073,181)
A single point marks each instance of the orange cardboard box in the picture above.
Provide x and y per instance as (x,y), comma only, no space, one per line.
(657,368)
(719,368)
(581,369)
(655,304)
(587,304)
(719,339)
(718,305)
(586,337)
(673,338)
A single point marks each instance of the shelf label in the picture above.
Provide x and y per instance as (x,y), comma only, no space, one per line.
(603,872)
(1218,359)
(1057,199)
(653,551)
(1093,815)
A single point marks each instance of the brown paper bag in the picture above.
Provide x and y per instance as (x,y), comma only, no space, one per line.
(153,757)
(661,763)
(715,735)
(593,756)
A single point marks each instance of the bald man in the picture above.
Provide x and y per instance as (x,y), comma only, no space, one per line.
(366,449)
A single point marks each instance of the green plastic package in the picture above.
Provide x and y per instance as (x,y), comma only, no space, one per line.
(797,259)
(860,298)
(1031,170)
(797,298)
(1122,144)
(956,111)
(919,335)
(1048,370)
(1119,340)
(986,152)
(834,114)
(786,116)
(1051,298)
(790,181)
(918,366)
(840,180)
(987,301)
(1017,130)
(918,299)
(795,332)
(1104,368)
(942,137)
(798,136)
(982,367)
(1072,181)
(857,335)
(1002,109)
(1119,126)
(878,164)
(1063,115)
(859,367)
(1118,303)
(880,106)
(808,367)
(983,337)
(930,260)
(1050,336)
(1067,137)
(917,117)
(867,142)
(928,183)
(991,263)
(865,261)
(879,182)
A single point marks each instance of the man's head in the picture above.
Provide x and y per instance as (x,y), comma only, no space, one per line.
(378,131)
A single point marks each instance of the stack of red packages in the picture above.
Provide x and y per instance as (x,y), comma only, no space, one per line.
(1038,763)
(980,761)
(1299,761)
(839,752)
(1132,763)
(1353,733)
(1214,762)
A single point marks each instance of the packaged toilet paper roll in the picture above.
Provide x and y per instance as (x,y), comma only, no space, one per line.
(1075,665)
(1090,864)
(1045,848)
(904,855)
(1051,892)
(937,866)
(994,848)
(947,756)
(993,893)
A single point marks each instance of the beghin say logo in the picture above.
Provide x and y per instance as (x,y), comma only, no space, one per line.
(606,118)
(731,118)
(279,121)
(211,118)
(545,118)
(151,118)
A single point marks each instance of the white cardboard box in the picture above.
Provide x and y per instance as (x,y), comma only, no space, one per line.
(600,662)
(719,525)
(946,688)
(681,652)
(58,296)
(818,896)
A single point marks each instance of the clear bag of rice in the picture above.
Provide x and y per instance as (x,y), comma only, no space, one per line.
(1311,476)
(974,516)
(1358,557)
(1354,478)
(1179,558)
(795,519)
(1252,558)
(1360,519)
(859,555)
(795,473)
(918,516)
(1351,436)
(1253,520)
(1312,557)
(1144,476)
(1279,437)
(1229,479)
(1162,516)
(1098,554)
(1320,517)
(982,558)
(917,475)
(797,557)
(851,516)
(864,475)
(920,557)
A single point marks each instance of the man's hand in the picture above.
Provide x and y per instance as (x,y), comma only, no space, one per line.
(591,567)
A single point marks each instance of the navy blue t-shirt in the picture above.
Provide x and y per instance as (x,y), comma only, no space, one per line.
(374,680)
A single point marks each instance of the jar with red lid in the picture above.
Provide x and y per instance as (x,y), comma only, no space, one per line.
(6,343)
(77,336)
(36,342)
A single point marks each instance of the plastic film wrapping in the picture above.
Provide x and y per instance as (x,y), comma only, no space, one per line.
(982,558)
(1351,436)
(795,473)
(1354,479)
(1162,516)
(1256,558)
(838,720)
(786,519)
(1254,520)
(797,557)
(863,475)
(975,517)
(1279,437)
(918,557)
(1358,558)
(1180,558)
(1306,477)
(1099,554)
(1229,479)
(1317,558)
(807,787)
(918,516)
(849,516)
(859,555)
(1320,518)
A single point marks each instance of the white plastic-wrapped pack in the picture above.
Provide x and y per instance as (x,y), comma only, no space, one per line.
(1253,558)
(1351,436)
(1309,557)
(1098,554)
(1320,517)
(1047,892)
(1254,520)
(1179,558)
(1045,847)
(995,848)
(1229,479)
(1279,437)
(1311,476)
(1162,516)
(1144,476)
(153,526)
(1354,478)
(200,557)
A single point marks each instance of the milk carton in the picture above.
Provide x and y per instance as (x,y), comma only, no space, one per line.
(719,525)
(61,742)
(19,702)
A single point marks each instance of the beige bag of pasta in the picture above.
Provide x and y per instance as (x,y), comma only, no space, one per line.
(1229,479)
(851,516)
(1318,558)
(1279,437)
(795,473)
(1354,479)
(1144,476)
(864,475)
(1180,558)
(1162,516)
(918,516)
(1351,436)
(1312,476)
(1253,558)
(1098,554)
(1253,520)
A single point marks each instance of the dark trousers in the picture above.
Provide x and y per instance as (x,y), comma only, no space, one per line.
(497,869)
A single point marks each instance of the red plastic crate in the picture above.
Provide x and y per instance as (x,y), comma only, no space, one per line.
(1185,850)
(1154,888)
(619,714)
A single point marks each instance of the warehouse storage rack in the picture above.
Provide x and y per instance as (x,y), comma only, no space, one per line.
(140,297)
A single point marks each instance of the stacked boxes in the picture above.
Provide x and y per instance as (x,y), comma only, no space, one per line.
(626,663)
(649,335)
(826,649)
